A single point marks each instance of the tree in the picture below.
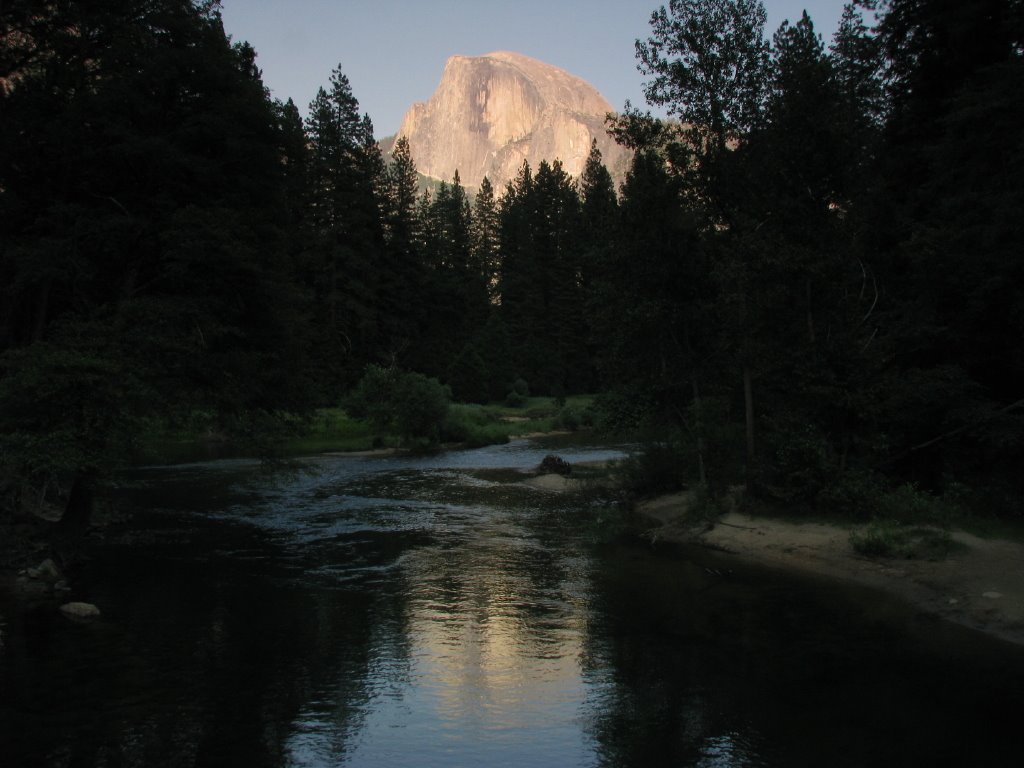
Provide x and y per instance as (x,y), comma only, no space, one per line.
(455,298)
(142,249)
(410,403)
(345,216)
(709,62)
(710,65)
(599,218)
(403,279)
(485,237)
(540,285)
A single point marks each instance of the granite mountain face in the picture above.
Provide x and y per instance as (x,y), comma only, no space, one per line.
(492,112)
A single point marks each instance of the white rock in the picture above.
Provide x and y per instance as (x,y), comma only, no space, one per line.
(46,571)
(492,112)
(80,610)
(992,595)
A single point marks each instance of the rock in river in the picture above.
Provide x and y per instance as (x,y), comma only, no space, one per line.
(80,610)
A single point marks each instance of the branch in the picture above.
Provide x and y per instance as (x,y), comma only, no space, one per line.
(951,433)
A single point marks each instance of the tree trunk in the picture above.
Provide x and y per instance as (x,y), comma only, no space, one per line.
(698,430)
(75,522)
(810,314)
(42,311)
(748,402)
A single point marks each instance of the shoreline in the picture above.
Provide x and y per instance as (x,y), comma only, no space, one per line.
(980,587)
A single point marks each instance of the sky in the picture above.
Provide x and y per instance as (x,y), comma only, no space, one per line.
(393,51)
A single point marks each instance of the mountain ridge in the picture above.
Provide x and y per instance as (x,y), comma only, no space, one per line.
(490,113)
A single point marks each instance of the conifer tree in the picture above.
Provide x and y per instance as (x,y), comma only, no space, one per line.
(485,237)
(345,172)
(403,272)
(142,226)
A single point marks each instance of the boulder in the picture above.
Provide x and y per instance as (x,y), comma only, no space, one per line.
(80,610)
(555,464)
(46,571)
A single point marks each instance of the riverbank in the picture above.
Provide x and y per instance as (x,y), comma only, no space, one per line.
(980,585)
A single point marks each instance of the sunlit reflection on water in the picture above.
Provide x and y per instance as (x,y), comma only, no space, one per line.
(430,611)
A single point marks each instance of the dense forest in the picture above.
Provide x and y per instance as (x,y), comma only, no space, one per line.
(810,280)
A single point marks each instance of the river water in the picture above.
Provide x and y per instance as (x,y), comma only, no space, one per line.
(432,612)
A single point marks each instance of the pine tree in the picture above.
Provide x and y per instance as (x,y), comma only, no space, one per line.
(485,237)
(345,171)
(142,235)
(403,273)
(710,63)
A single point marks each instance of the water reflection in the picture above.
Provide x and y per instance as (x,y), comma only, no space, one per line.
(425,612)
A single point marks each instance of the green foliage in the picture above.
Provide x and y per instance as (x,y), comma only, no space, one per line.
(142,257)
(657,468)
(800,467)
(618,412)
(421,408)
(473,427)
(886,538)
(467,376)
(411,404)
(569,418)
(514,400)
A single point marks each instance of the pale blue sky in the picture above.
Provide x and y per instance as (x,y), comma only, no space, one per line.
(393,51)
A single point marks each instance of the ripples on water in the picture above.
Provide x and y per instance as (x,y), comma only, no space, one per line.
(426,611)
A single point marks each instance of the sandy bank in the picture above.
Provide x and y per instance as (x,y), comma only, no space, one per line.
(981,587)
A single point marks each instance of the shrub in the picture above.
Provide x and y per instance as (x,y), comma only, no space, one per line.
(373,398)
(515,400)
(655,469)
(421,405)
(887,538)
(618,412)
(410,403)
(468,376)
(473,427)
(799,465)
(568,418)
(859,494)
(882,538)
(854,494)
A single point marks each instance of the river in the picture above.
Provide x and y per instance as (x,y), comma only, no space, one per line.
(430,611)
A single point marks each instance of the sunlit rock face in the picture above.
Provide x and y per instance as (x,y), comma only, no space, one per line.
(490,113)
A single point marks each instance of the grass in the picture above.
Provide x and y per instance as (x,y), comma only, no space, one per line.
(332,429)
(889,538)
(476,425)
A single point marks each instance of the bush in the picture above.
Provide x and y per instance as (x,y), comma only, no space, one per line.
(468,376)
(473,427)
(568,418)
(887,538)
(515,400)
(863,495)
(854,494)
(373,399)
(410,403)
(800,465)
(619,412)
(656,469)
(421,406)
(882,538)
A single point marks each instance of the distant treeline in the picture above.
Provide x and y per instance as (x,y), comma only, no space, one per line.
(810,277)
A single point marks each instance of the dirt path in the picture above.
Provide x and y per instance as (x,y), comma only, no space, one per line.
(981,587)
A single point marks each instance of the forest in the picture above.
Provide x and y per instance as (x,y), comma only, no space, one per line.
(808,283)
